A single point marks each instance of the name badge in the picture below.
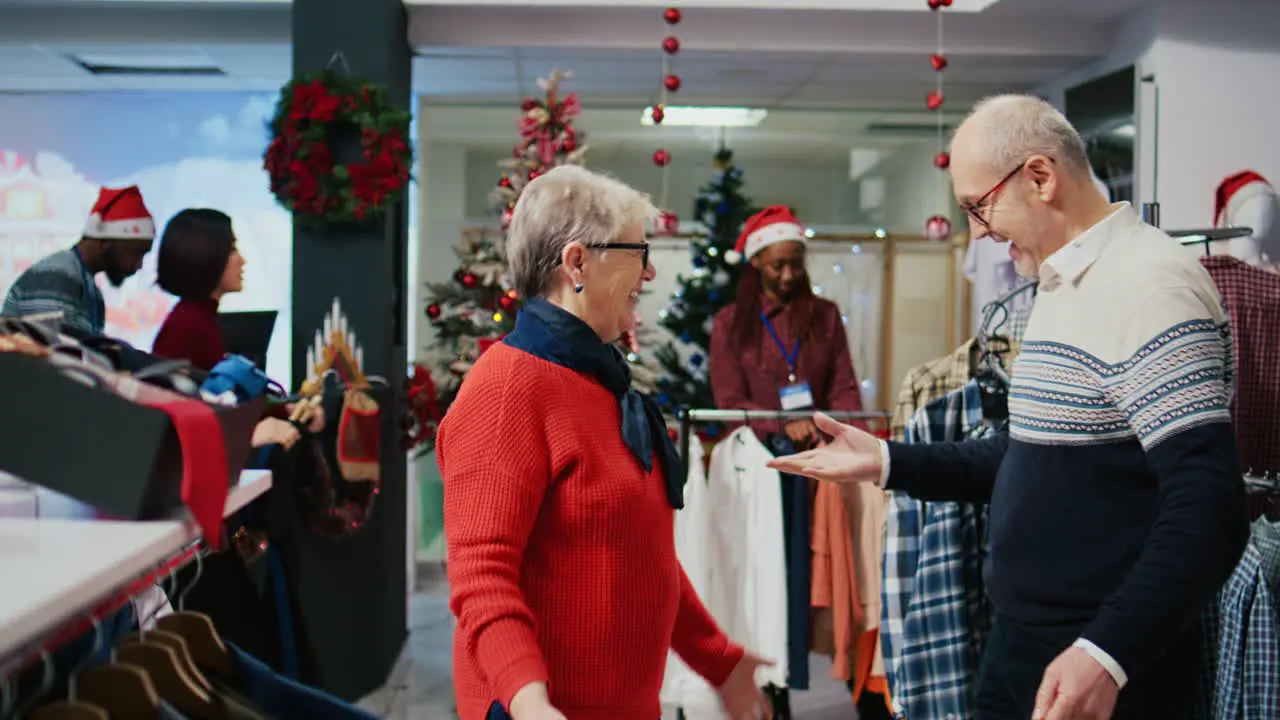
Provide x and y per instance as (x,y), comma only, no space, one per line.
(796,397)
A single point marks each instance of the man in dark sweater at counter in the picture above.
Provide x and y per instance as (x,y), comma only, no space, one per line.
(1117,502)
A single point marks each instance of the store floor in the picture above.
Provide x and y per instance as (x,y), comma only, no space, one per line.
(420,687)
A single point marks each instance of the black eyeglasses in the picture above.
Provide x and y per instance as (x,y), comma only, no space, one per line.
(643,247)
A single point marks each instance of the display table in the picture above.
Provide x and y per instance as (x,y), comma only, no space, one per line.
(57,570)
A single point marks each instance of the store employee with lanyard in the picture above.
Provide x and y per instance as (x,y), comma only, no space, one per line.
(116,238)
(778,346)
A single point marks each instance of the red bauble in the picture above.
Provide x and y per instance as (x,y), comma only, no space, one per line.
(661,158)
(671,16)
(659,114)
(938,228)
(505,182)
(939,62)
(433,311)
(568,144)
(946,3)
(506,218)
(672,82)
(670,45)
(935,4)
(528,104)
(507,302)
(470,281)
(518,151)
(533,175)
(667,224)
(942,160)
(933,100)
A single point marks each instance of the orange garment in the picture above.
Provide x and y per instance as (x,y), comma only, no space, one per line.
(833,584)
(864,507)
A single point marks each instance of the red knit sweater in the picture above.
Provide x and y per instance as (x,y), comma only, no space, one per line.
(562,562)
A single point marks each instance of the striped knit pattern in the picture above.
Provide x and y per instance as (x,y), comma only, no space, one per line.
(55,284)
(1062,395)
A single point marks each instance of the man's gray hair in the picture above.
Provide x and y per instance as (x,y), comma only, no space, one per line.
(1012,128)
(565,205)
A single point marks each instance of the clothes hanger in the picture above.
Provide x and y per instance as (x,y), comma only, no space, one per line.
(73,708)
(178,645)
(204,644)
(162,665)
(124,690)
(46,685)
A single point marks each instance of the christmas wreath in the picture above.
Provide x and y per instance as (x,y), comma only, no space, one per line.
(339,151)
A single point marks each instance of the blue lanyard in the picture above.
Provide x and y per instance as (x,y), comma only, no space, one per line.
(95,322)
(791,357)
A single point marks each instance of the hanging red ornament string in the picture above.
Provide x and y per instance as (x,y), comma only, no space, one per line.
(668,223)
(939,227)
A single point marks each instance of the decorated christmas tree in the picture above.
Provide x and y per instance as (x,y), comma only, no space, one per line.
(722,208)
(478,307)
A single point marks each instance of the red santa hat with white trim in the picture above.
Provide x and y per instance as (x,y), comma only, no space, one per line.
(770,226)
(1246,199)
(120,214)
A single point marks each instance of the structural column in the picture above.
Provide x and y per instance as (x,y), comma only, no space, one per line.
(352,591)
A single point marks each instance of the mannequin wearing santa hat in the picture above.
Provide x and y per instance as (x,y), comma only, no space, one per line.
(115,240)
(1246,199)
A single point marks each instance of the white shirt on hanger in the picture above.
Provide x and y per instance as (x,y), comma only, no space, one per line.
(729,538)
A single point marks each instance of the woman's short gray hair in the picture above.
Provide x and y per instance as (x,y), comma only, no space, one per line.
(565,205)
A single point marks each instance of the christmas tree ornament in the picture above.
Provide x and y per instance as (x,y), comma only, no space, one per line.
(433,311)
(938,228)
(506,218)
(661,158)
(670,45)
(671,82)
(504,182)
(935,4)
(933,100)
(671,16)
(470,281)
(658,114)
(942,160)
(938,61)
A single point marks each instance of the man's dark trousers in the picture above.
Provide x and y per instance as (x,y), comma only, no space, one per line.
(1017,654)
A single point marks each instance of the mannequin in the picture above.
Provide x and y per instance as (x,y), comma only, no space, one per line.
(1246,199)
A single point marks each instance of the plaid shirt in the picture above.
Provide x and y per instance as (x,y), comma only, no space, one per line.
(1252,300)
(1241,678)
(939,618)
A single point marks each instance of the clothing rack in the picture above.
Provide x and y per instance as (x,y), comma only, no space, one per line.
(1209,235)
(75,573)
(1267,483)
(696,416)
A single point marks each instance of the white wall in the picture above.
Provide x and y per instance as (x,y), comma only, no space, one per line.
(1215,65)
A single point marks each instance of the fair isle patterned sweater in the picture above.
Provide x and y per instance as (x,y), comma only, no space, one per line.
(57,284)
(1117,504)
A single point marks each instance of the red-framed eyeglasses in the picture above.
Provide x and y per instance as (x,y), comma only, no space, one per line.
(990,197)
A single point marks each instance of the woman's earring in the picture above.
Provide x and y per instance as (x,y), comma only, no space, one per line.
(577,288)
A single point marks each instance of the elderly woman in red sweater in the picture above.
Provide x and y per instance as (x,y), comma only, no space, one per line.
(560,486)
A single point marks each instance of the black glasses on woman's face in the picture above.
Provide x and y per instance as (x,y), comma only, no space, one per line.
(643,247)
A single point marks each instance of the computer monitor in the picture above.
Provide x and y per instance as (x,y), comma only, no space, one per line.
(248,334)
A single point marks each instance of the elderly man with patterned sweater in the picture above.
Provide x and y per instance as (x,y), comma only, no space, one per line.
(1117,502)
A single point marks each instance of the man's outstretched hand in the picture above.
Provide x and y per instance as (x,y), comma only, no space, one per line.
(851,456)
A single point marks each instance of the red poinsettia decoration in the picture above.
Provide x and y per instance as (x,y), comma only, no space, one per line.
(316,114)
(424,409)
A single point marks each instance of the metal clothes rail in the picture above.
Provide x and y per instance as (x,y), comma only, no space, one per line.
(696,416)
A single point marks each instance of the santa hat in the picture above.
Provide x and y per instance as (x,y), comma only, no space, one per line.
(770,226)
(1246,199)
(120,215)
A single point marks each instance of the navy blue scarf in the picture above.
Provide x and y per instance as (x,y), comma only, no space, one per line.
(555,335)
